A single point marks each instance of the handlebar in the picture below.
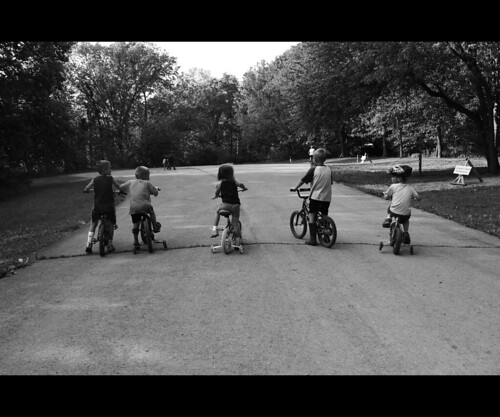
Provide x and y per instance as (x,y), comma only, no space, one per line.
(115,192)
(299,190)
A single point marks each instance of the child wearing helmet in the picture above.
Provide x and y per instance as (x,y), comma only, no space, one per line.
(103,201)
(401,195)
(140,191)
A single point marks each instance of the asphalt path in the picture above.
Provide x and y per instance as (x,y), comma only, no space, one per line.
(280,308)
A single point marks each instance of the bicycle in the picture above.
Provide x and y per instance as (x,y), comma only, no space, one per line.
(104,228)
(147,234)
(229,241)
(396,237)
(327,230)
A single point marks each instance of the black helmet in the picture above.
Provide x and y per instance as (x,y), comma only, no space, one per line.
(401,171)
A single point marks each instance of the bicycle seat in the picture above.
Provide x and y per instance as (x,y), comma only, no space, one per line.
(224,213)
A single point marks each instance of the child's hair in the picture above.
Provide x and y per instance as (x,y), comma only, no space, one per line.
(102,165)
(320,155)
(226,172)
(142,173)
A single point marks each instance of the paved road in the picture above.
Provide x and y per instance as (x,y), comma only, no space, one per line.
(281,307)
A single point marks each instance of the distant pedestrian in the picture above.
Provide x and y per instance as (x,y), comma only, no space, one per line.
(311,152)
(164,162)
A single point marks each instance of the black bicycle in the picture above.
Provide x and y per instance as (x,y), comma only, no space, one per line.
(104,227)
(396,237)
(327,230)
(147,234)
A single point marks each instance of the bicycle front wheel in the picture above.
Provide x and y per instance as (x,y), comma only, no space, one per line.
(327,231)
(398,239)
(298,224)
(101,237)
(147,235)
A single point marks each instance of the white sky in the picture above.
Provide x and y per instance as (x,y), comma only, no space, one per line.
(234,58)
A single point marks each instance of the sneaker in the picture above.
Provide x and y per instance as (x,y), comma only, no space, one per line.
(157,227)
(311,243)
(137,246)
(387,223)
(88,249)
(111,248)
(406,238)
(115,226)
(215,233)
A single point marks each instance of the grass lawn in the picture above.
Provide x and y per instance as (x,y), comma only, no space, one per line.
(39,217)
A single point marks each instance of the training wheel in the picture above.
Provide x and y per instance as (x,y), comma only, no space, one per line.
(213,249)
(381,246)
(165,244)
(241,249)
(411,250)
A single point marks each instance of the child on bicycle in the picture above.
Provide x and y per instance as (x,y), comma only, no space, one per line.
(140,191)
(227,189)
(321,178)
(401,194)
(104,201)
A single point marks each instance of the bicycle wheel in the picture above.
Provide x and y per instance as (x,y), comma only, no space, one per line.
(147,235)
(327,231)
(298,224)
(227,237)
(101,237)
(398,239)
(391,234)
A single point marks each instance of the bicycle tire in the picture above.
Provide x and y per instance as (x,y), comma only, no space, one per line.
(298,224)
(327,231)
(147,235)
(391,234)
(101,237)
(226,240)
(398,239)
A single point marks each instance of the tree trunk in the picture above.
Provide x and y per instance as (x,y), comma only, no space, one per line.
(439,142)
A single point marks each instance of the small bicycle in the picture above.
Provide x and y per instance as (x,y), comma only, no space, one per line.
(147,234)
(228,241)
(396,237)
(104,228)
(327,230)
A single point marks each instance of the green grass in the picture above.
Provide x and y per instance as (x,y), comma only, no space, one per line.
(42,215)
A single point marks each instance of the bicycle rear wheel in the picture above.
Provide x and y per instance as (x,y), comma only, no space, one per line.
(227,237)
(298,224)
(101,237)
(327,231)
(147,235)
(398,239)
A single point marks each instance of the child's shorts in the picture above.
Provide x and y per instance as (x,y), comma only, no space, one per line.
(402,218)
(136,217)
(316,205)
(233,208)
(110,213)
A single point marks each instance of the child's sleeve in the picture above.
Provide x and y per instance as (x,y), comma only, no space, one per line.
(388,193)
(309,176)
(125,186)
(152,189)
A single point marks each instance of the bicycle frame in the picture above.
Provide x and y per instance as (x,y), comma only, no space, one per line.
(227,241)
(299,220)
(396,233)
(147,234)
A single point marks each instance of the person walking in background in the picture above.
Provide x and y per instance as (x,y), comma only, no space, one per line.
(311,153)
